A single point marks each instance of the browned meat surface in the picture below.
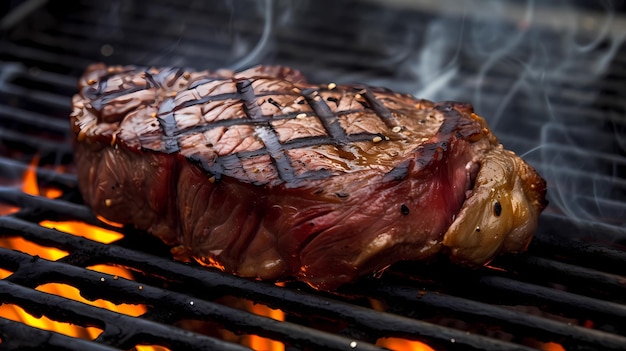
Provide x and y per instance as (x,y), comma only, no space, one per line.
(265,175)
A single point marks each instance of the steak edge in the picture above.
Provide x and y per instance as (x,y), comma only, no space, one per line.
(265,175)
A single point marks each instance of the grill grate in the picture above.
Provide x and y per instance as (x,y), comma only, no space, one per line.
(569,289)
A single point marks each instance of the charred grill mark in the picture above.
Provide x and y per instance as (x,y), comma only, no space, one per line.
(275,103)
(171,145)
(92,93)
(246,93)
(450,122)
(213,170)
(200,82)
(231,122)
(326,116)
(221,123)
(315,175)
(166,117)
(252,103)
(103,80)
(158,80)
(167,122)
(151,82)
(99,99)
(325,140)
(300,143)
(206,99)
(379,108)
(277,153)
(433,151)
(398,173)
(265,132)
(322,140)
(218,167)
(165,73)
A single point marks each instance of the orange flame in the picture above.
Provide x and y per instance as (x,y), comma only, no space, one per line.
(551,346)
(259,343)
(16,313)
(398,344)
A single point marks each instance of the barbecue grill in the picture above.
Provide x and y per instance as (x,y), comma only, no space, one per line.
(548,78)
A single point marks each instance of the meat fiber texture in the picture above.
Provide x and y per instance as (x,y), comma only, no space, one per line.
(264,175)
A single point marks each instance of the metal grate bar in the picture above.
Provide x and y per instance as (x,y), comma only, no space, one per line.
(129,330)
(33,119)
(534,325)
(26,140)
(62,63)
(15,170)
(554,237)
(328,119)
(371,321)
(96,285)
(611,285)
(38,97)
(17,336)
(60,208)
(586,305)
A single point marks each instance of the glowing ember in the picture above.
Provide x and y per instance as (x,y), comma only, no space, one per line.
(551,346)
(150,348)
(84,230)
(19,244)
(398,344)
(256,342)
(16,313)
(4,273)
(30,185)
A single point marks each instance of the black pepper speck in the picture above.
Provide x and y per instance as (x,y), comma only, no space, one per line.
(404,209)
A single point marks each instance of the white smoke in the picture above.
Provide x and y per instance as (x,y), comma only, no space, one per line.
(542,58)
(531,68)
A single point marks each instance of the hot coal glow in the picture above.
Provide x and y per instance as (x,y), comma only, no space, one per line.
(16,313)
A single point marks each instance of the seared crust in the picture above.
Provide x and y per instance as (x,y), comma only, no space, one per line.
(234,123)
(264,175)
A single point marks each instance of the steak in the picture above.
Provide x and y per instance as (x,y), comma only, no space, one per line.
(265,175)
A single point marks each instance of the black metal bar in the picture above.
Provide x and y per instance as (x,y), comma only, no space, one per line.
(59,207)
(17,336)
(44,58)
(103,286)
(590,306)
(535,326)
(378,323)
(38,97)
(560,271)
(15,170)
(34,119)
(43,145)
(129,331)
(579,239)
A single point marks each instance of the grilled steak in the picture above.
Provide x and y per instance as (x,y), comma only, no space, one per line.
(264,175)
